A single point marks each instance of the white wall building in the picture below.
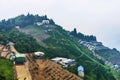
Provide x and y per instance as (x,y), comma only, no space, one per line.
(64,61)
(17,27)
(43,22)
(39,55)
(81,71)
(39,23)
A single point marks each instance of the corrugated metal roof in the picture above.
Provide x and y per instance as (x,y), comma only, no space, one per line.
(39,53)
(20,55)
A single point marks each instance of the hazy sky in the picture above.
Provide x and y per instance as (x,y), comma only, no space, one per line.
(98,17)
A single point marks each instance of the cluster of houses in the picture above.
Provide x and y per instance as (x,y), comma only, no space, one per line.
(20,58)
(93,45)
(42,23)
(65,62)
(113,66)
(46,28)
(9,52)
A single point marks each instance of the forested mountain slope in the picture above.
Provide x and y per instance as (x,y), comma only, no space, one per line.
(38,33)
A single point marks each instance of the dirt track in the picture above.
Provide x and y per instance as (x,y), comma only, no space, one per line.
(22,73)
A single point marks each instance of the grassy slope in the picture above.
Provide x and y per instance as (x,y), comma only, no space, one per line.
(37,32)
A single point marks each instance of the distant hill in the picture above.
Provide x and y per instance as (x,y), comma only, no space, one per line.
(110,57)
(39,33)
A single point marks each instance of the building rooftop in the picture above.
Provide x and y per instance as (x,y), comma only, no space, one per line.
(64,61)
(20,55)
(39,53)
(80,68)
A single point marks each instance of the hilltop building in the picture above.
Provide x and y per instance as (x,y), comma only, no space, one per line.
(45,22)
(18,28)
(42,23)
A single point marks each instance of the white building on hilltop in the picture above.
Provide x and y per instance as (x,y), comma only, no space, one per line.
(43,22)
(39,23)
(17,27)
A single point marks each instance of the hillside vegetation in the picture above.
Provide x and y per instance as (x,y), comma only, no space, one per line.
(55,42)
(6,69)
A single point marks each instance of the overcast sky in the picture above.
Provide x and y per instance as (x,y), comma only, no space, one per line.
(98,17)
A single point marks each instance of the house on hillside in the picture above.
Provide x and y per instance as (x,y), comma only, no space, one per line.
(39,55)
(80,71)
(17,27)
(39,23)
(42,23)
(47,28)
(64,61)
(45,22)
(116,66)
(20,59)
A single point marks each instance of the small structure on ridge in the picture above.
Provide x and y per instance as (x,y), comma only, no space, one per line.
(81,71)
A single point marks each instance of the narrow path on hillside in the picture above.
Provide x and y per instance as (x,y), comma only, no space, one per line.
(14,50)
(22,73)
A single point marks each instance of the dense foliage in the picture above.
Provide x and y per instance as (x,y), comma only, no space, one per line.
(6,70)
(23,43)
(82,36)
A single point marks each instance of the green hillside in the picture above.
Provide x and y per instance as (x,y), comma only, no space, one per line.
(55,42)
(61,44)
